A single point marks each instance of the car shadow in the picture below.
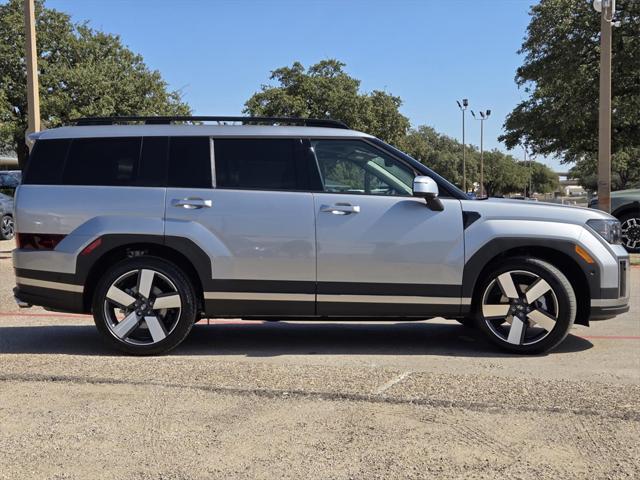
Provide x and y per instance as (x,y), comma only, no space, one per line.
(272,339)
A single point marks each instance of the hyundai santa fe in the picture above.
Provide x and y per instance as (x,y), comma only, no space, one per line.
(152,223)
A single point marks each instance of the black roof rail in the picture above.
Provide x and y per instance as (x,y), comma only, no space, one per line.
(167,120)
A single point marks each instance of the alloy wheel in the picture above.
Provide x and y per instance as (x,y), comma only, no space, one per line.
(520,307)
(142,307)
(7,227)
(631,233)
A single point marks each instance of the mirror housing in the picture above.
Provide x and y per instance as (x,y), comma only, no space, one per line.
(426,187)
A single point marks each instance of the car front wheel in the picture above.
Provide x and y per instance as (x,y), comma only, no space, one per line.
(144,306)
(525,305)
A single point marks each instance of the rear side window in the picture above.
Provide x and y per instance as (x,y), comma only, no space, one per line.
(103,161)
(265,164)
(190,162)
(46,162)
(154,160)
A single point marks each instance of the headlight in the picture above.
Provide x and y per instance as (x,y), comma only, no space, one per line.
(607,229)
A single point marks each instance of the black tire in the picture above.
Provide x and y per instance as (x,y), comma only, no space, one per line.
(469,322)
(7,229)
(176,323)
(559,301)
(630,223)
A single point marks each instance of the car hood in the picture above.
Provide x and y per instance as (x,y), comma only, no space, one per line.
(528,210)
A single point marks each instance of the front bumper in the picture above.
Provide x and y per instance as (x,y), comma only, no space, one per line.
(614,301)
(605,313)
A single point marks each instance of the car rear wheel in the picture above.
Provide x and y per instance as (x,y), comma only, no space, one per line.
(7,228)
(630,226)
(144,306)
(526,305)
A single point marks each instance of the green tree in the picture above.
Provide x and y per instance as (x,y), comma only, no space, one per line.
(560,74)
(625,169)
(83,72)
(441,153)
(543,178)
(326,90)
(502,174)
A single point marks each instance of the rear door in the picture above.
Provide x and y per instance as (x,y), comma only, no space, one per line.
(246,202)
(382,252)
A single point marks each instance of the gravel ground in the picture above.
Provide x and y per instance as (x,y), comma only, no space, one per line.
(336,400)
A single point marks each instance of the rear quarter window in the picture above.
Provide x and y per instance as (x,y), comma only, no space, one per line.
(103,161)
(46,162)
(123,161)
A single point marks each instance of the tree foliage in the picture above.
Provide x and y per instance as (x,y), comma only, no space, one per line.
(503,174)
(326,90)
(82,72)
(441,153)
(543,179)
(560,74)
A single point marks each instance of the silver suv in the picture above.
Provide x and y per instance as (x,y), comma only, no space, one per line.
(154,224)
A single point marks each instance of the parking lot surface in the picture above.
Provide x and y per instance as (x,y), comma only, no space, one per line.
(315,400)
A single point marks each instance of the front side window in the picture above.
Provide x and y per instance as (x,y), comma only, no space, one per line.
(353,166)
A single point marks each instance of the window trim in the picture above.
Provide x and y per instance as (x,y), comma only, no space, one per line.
(212,162)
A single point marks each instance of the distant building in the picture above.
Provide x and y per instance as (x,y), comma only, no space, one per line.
(574,191)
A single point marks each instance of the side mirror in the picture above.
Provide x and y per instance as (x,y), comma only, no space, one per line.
(427,188)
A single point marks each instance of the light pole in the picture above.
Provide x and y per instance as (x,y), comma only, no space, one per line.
(606,8)
(463,108)
(483,117)
(526,154)
(524,149)
(31,60)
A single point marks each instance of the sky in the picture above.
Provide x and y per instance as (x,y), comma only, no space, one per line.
(217,53)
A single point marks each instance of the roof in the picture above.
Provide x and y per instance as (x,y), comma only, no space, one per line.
(196,130)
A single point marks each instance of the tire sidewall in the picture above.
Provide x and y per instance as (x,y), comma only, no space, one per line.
(561,288)
(183,286)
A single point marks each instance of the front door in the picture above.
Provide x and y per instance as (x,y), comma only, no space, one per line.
(380,251)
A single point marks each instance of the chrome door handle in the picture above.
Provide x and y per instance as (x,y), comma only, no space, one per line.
(191,203)
(340,209)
